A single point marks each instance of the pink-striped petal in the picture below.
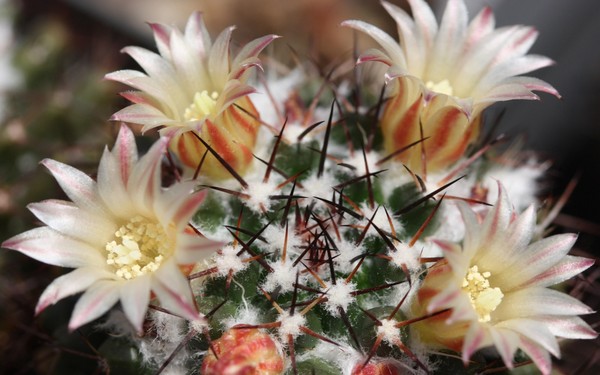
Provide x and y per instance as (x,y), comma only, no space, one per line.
(48,246)
(78,186)
(570,327)
(506,342)
(68,219)
(539,257)
(253,48)
(145,181)
(535,301)
(389,45)
(197,36)
(538,355)
(173,291)
(134,296)
(565,269)
(475,339)
(535,331)
(219,62)
(193,248)
(72,283)
(97,300)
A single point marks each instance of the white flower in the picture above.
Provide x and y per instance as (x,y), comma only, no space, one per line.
(124,235)
(496,287)
(445,75)
(190,88)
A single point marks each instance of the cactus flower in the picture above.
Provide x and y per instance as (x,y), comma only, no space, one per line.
(125,236)
(443,76)
(243,351)
(194,88)
(496,285)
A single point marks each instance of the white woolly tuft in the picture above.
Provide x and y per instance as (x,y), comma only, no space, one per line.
(228,261)
(246,315)
(259,193)
(283,275)
(315,186)
(339,295)
(280,89)
(389,331)
(380,220)
(345,259)
(275,236)
(358,162)
(407,256)
(290,325)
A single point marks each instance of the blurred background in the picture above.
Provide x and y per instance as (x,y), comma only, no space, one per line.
(54,104)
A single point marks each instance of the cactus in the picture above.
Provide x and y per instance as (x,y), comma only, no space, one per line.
(319,242)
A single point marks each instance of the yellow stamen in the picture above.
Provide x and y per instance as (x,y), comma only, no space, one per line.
(484,298)
(139,247)
(441,87)
(202,106)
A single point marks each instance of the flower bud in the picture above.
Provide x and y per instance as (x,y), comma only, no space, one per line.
(243,352)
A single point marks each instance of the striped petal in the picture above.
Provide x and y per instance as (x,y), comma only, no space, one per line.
(72,283)
(134,300)
(48,246)
(97,300)
(173,291)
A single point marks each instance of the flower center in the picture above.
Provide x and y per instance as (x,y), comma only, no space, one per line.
(139,247)
(484,298)
(202,106)
(441,87)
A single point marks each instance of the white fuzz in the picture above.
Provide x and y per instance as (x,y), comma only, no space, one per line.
(170,331)
(276,237)
(199,325)
(290,325)
(283,276)
(259,193)
(380,220)
(521,183)
(405,255)
(389,331)
(227,261)
(245,315)
(280,89)
(357,160)
(339,295)
(345,260)
(321,187)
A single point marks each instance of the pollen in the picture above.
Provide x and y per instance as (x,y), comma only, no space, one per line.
(202,106)
(139,247)
(484,298)
(441,87)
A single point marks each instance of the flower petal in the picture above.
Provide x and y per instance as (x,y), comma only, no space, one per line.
(97,300)
(538,258)
(174,292)
(532,302)
(475,339)
(69,284)
(48,246)
(389,45)
(219,61)
(134,298)
(144,184)
(537,354)
(535,331)
(192,248)
(570,327)
(78,186)
(68,219)
(506,342)
(568,267)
